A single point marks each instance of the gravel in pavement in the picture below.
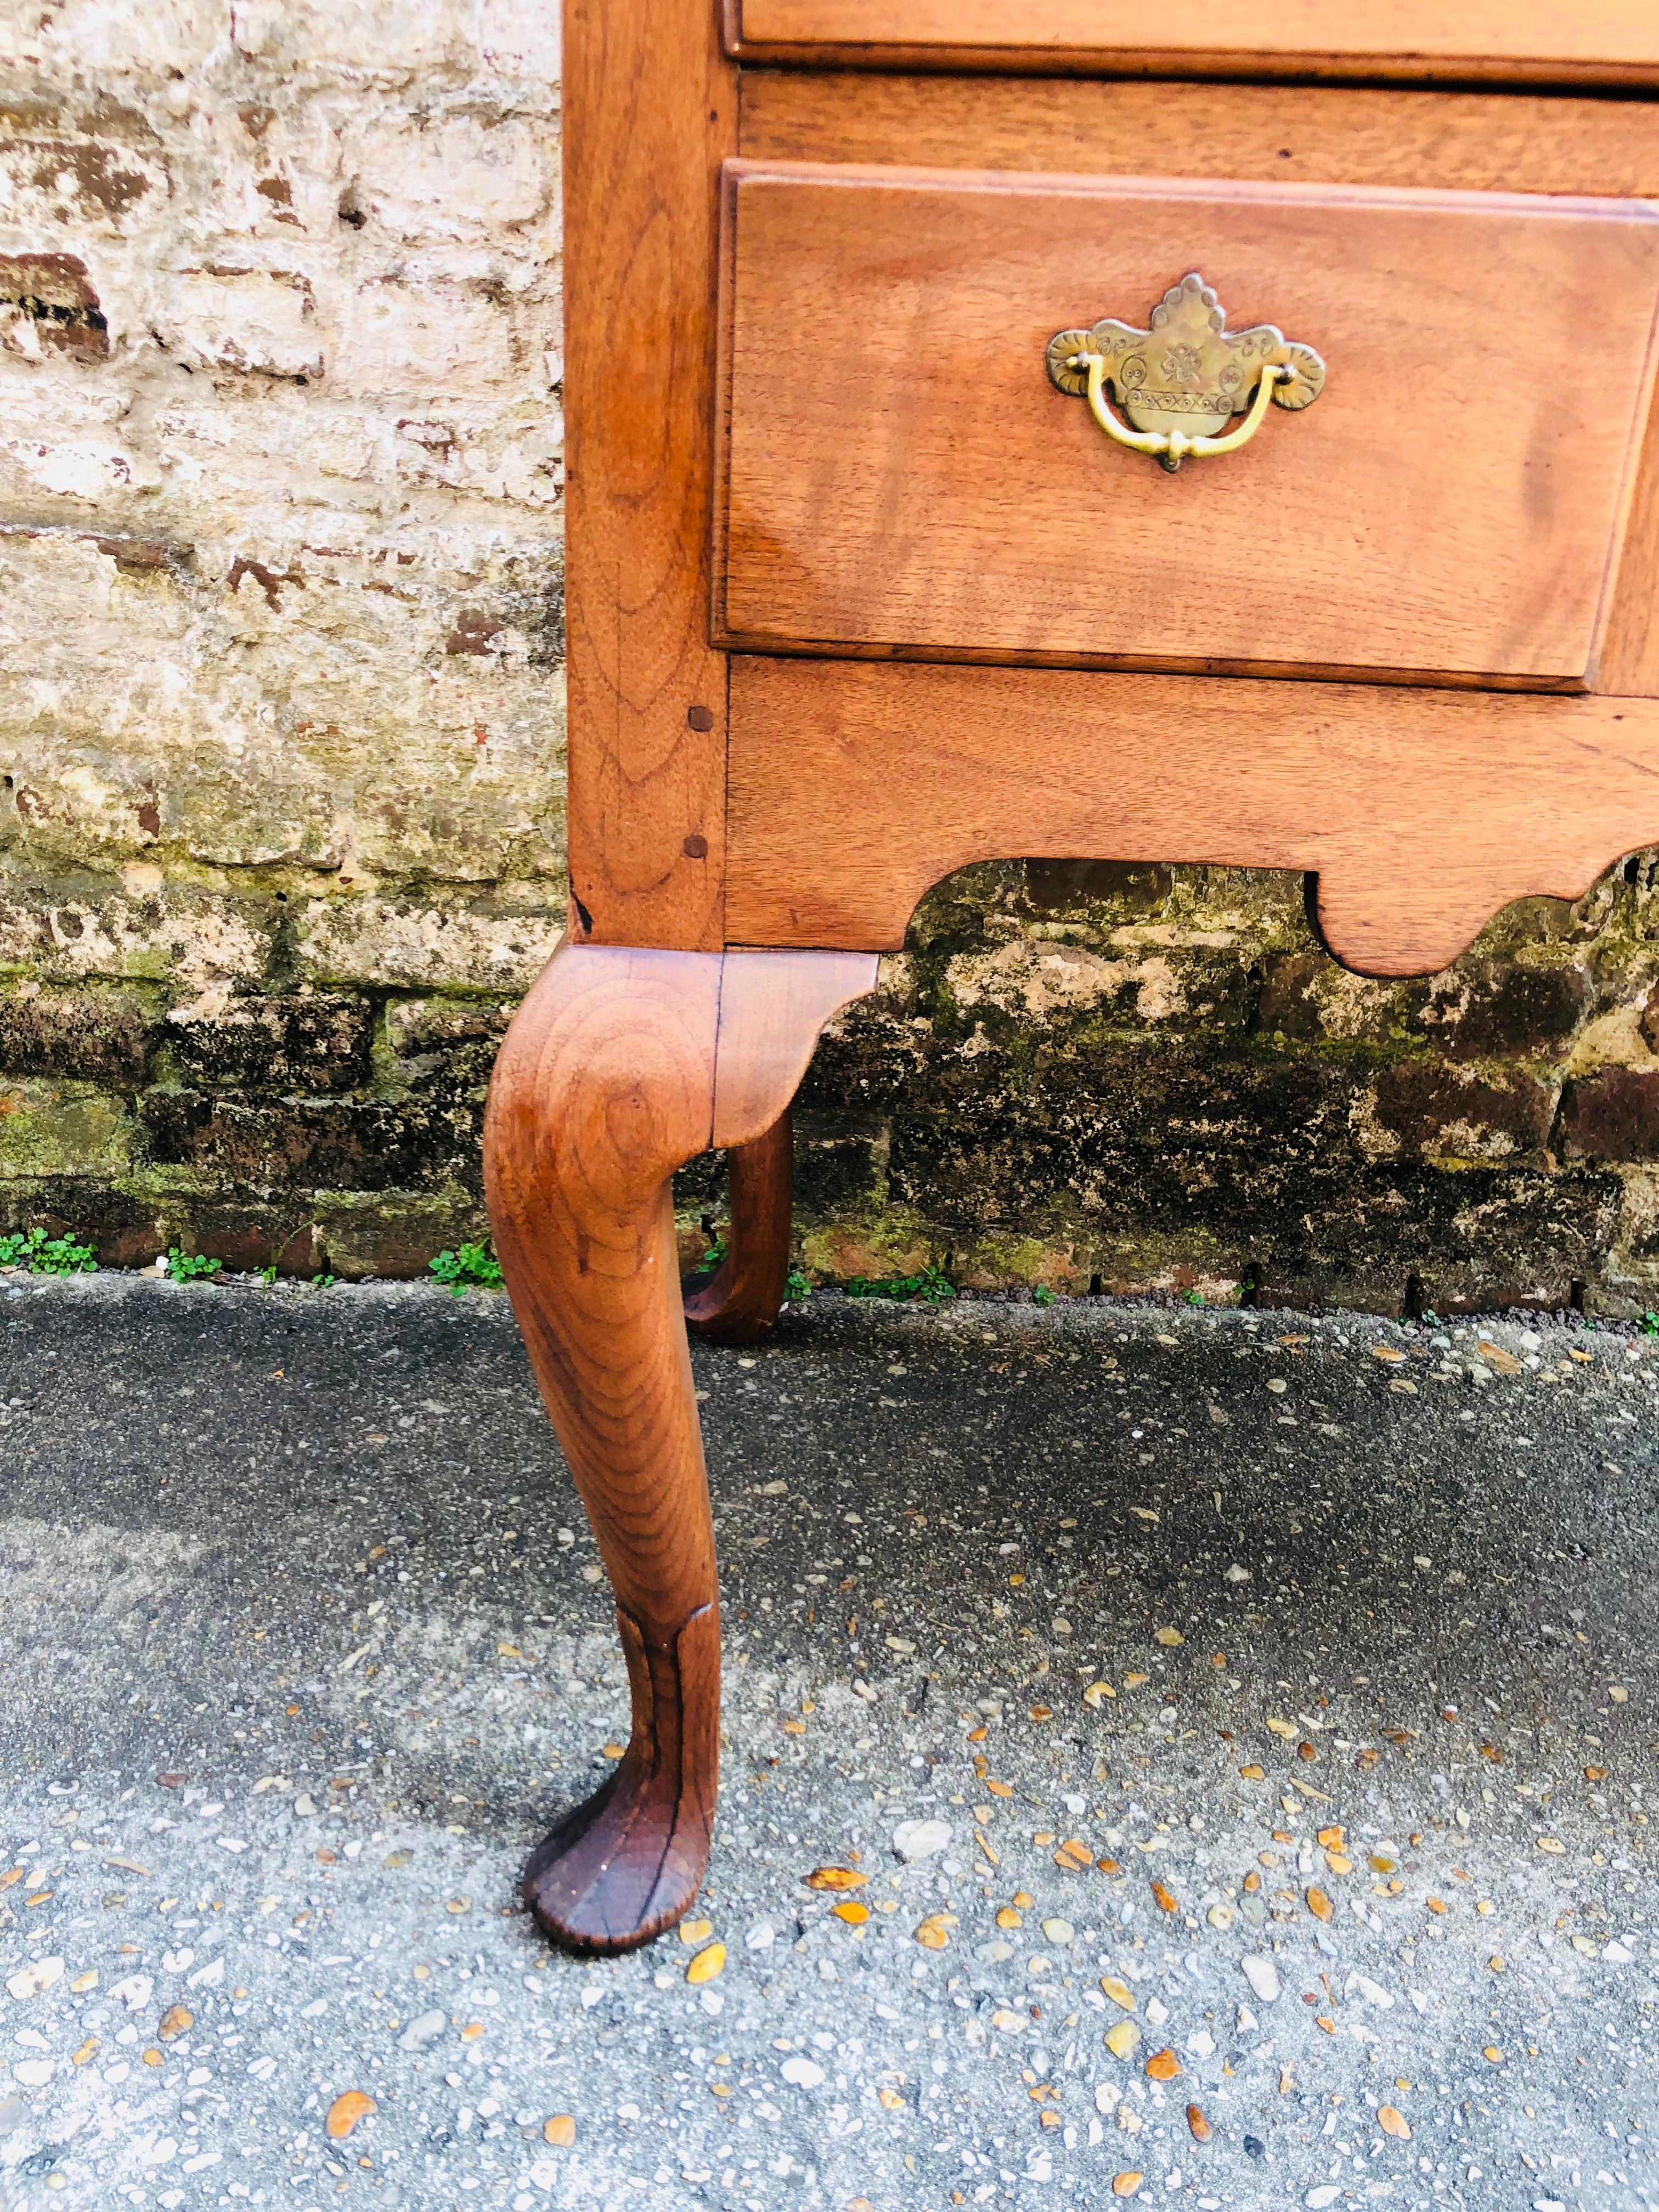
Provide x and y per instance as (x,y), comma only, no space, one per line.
(1202,1756)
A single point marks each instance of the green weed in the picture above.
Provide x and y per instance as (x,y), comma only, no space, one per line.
(190,1267)
(798,1286)
(1042,1294)
(930,1287)
(469,1267)
(40,1254)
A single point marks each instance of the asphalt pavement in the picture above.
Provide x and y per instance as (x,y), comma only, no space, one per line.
(1211,1747)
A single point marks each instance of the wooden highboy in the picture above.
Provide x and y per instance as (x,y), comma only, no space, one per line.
(1217,435)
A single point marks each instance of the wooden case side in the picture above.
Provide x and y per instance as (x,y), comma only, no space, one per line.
(651,111)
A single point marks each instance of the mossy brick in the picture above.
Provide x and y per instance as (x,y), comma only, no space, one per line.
(307,1042)
(343,1144)
(50,1129)
(101,1036)
(395,1232)
(1505,1010)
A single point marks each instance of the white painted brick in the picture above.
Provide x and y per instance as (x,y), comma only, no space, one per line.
(424,342)
(85,39)
(515,38)
(248,319)
(67,181)
(456,176)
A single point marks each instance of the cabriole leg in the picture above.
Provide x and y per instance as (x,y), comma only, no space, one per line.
(620,1066)
(603,1088)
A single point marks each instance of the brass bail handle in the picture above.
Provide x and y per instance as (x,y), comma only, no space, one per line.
(1180,380)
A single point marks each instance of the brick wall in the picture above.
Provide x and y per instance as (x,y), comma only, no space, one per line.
(281,821)
(280,644)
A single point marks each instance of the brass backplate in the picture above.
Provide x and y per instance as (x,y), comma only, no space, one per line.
(1188,372)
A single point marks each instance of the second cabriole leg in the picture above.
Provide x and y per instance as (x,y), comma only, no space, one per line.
(739,1303)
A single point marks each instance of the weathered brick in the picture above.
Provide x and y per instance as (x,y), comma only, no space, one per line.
(1611,1115)
(274,1145)
(1501,1010)
(307,1042)
(258,319)
(97,1036)
(1456,1113)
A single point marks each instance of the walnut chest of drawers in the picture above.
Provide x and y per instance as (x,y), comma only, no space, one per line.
(1005,429)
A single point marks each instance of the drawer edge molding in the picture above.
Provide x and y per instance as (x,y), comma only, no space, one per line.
(1615,43)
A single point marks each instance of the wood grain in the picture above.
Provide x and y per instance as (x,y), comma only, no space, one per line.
(651,110)
(911,480)
(1604,41)
(1500,142)
(1286,134)
(603,1087)
(608,1080)
(856,785)
(773,1005)
(1628,665)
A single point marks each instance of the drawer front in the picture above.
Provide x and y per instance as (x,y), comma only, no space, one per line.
(1613,40)
(900,474)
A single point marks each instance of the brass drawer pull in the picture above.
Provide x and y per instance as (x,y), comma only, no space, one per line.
(1188,374)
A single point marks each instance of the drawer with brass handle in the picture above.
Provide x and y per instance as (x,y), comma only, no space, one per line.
(948,394)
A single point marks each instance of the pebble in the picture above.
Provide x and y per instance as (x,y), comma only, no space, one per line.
(802,2072)
(1058,1932)
(1120,1992)
(35,1980)
(706,1965)
(424,2028)
(761,1937)
(920,1840)
(1262,1976)
(560,2131)
(345,2112)
(1121,2038)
